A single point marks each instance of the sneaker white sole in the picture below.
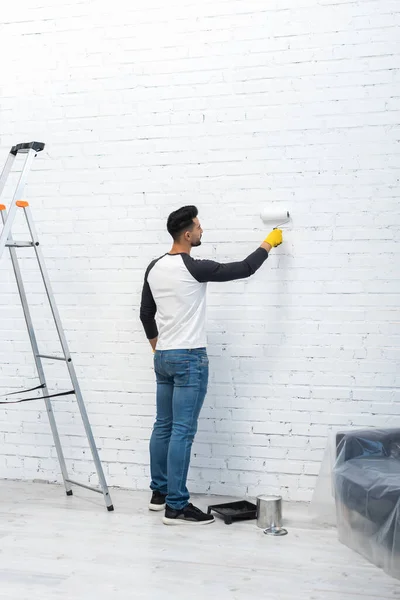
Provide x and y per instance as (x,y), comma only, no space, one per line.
(156,507)
(167,521)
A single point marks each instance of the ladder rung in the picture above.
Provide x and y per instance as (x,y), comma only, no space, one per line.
(87,487)
(53,357)
(19,244)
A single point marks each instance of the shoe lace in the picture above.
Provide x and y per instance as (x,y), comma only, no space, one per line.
(195,509)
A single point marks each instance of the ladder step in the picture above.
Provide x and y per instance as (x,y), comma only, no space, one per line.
(19,244)
(54,357)
(36,146)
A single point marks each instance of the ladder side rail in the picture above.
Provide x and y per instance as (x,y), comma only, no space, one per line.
(67,355)
(17,195)
(38,362)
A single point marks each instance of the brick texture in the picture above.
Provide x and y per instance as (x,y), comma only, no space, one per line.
(233,106)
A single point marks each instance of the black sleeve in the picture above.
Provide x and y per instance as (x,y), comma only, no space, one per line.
(148,309)
(208,270)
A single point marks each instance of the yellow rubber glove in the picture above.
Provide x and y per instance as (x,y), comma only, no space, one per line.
(274,238)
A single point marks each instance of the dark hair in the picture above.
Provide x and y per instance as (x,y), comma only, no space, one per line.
(181,220)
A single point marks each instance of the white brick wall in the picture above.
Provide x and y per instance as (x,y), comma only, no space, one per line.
(230,105)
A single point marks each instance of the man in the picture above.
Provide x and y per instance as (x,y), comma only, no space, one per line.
(175,288)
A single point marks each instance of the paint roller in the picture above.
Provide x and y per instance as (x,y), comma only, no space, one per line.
(275,217)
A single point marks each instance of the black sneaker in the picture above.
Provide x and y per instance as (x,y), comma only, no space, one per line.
(190,515)
(157,501)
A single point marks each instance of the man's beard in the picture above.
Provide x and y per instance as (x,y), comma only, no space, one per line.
(198,243)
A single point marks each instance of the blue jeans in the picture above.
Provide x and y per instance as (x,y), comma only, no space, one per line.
(182,378)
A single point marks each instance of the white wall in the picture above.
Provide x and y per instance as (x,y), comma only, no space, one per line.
(229,105)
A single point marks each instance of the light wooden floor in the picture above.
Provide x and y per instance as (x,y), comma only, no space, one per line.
(53,547)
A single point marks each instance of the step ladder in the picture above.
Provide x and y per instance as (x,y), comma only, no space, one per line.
(30,150)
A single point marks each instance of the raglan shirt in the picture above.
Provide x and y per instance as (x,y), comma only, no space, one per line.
(175,287)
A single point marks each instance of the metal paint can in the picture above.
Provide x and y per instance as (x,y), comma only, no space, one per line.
(269,515)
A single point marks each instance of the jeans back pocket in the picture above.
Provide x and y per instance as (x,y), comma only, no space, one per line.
(179,370)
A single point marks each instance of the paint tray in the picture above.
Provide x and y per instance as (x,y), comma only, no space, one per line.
(235,511)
